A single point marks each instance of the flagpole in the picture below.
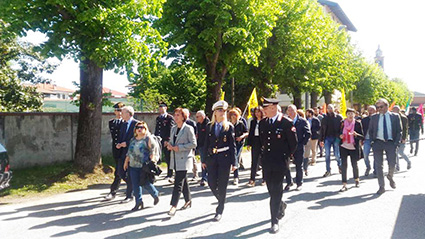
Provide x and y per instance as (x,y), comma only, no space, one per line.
(244,111)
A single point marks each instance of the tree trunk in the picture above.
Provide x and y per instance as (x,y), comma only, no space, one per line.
(213,93)
(328,97)
(313,99)
(87,150)
(297,98)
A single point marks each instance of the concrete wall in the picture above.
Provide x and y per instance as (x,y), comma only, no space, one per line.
(44,138)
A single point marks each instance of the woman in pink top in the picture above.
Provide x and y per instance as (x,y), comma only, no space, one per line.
(350,134)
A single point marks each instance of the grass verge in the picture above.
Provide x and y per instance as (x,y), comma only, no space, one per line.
(57,178)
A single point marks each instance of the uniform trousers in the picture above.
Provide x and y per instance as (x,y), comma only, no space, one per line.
(344,158)
(379,147)
(117,179)
(180,185)
(124,175)
(255,157)
(274,180)
(218,178)
(298,160)
(166,156)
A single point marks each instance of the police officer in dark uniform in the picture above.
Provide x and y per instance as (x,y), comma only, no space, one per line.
(220,151)
(114,128)
(164,123)
(278,141)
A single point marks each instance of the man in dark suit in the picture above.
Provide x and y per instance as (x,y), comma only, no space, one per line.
(400,151)
(385,133)
(201,134)
(303,136)
(311,146)
(114,128)
(278,141)
(367,146)
(164,123)
(125,135)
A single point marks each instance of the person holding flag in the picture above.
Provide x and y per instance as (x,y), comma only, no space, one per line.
(415,125)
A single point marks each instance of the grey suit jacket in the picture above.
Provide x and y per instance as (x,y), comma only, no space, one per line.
(186,141)
(395,125)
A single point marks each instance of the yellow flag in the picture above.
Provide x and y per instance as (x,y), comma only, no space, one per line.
(252,103)
(343,106)
(222,95)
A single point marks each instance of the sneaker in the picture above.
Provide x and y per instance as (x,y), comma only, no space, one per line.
(109,197)
(236,181)
(326,174)
(299,187)
(171,180)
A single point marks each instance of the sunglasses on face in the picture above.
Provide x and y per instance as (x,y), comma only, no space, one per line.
(380,106)
(117,109)
(140,127)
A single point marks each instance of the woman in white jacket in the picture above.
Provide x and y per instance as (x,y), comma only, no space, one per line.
(181,144)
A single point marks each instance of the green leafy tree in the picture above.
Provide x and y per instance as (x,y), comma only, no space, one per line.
(215,34)
(99,35)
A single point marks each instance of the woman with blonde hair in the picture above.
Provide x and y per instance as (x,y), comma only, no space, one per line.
(241,132)
(220,151)
(141,150)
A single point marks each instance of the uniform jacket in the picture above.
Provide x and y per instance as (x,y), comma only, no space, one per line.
(186,141)
(303,132)
(359,130)
(278,142)
(114,128)
(329,121)
(163,127)
(415,122)
(395,126)
(224,139)
(126,136)
(202,132)
(315,128)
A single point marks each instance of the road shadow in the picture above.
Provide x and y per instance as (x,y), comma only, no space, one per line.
(343,201)
(236,233)
(155,230)
(411,218)
(311,196)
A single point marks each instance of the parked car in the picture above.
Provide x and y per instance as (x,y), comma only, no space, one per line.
(5,172)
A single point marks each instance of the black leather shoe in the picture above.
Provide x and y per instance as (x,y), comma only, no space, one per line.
(274,229)
(367,172)
(288,186)
(127,200)
(282,209)
(137,207)
(217,217)
(392,183)
(155,200)
(380,191)
(109,197)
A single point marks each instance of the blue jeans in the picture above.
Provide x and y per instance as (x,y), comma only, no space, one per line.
(366,151)
(137,188)
(204,171)
(334,143)
(400,152)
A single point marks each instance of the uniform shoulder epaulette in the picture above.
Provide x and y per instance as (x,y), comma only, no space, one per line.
(286,118)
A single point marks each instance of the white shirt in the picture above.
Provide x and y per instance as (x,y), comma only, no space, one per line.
(129,123)
(256,130)
(380,133)
(274,117)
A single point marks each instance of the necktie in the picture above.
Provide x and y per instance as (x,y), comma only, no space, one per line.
(270,121)
(385,128)
(217,129)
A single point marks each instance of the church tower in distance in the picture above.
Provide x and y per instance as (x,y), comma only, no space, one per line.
(379,58)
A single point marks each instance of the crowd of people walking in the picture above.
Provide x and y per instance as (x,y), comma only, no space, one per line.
(275,138)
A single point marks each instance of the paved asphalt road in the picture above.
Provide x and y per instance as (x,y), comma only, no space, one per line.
(318,211)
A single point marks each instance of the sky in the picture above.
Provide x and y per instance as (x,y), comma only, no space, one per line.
(394,25)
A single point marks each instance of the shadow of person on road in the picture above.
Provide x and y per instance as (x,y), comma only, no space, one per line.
(344,201)
(239,231)
(411,218)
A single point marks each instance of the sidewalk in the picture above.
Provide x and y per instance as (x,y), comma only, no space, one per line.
(318,211)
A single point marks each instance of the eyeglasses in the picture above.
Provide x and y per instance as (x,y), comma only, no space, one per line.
(380,106)
(140,127)
(117,109)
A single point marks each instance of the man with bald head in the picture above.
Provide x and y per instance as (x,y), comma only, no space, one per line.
(400,150)
(367,142)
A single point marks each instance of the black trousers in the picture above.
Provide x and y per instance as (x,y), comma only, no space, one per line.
(274,179)
(117,179)
(344,153)
(123,174)
(180,185)
(218,178)
(166,156)
(416,147)
(255,157)
(298,160)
